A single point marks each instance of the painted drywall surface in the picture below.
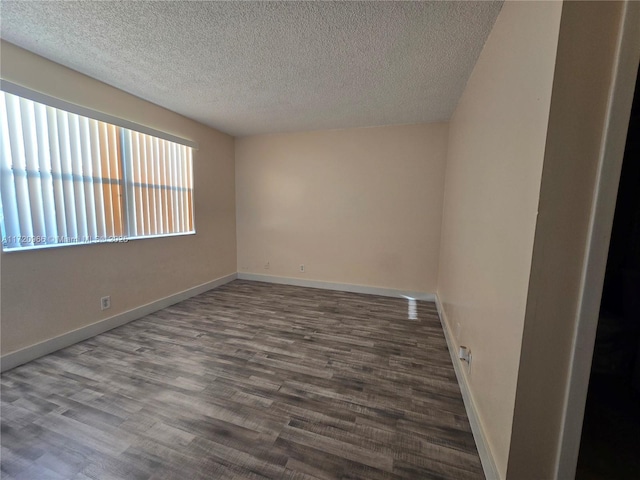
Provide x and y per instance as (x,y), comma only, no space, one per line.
(583,77)
(358,206)
(494,165)
(257,67)
(46,293)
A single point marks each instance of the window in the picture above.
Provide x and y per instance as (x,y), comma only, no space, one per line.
(68,179)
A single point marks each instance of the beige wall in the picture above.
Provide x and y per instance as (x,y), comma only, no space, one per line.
(46,293)
(494,165)
(358,206)
(581,87)
(365,206)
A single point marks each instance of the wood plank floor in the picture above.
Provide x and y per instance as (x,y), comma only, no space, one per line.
(247,381)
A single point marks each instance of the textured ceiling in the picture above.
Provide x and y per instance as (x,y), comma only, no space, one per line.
(260,67)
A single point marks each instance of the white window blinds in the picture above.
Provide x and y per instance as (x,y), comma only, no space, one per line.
(69,179)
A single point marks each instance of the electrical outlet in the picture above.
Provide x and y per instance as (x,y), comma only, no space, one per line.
(105,302)
(266,266)
(464,354)
(302,268)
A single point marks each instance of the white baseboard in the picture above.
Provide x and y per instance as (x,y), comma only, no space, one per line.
(484,451)
(343,287)
(37,350)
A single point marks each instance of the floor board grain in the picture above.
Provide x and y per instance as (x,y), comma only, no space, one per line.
(249,380)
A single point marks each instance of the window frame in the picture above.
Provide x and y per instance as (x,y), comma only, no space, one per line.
(69,107)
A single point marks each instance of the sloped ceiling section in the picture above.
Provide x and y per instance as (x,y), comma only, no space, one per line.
(261,67)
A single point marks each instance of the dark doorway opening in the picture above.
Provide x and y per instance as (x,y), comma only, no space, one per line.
(610,445)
